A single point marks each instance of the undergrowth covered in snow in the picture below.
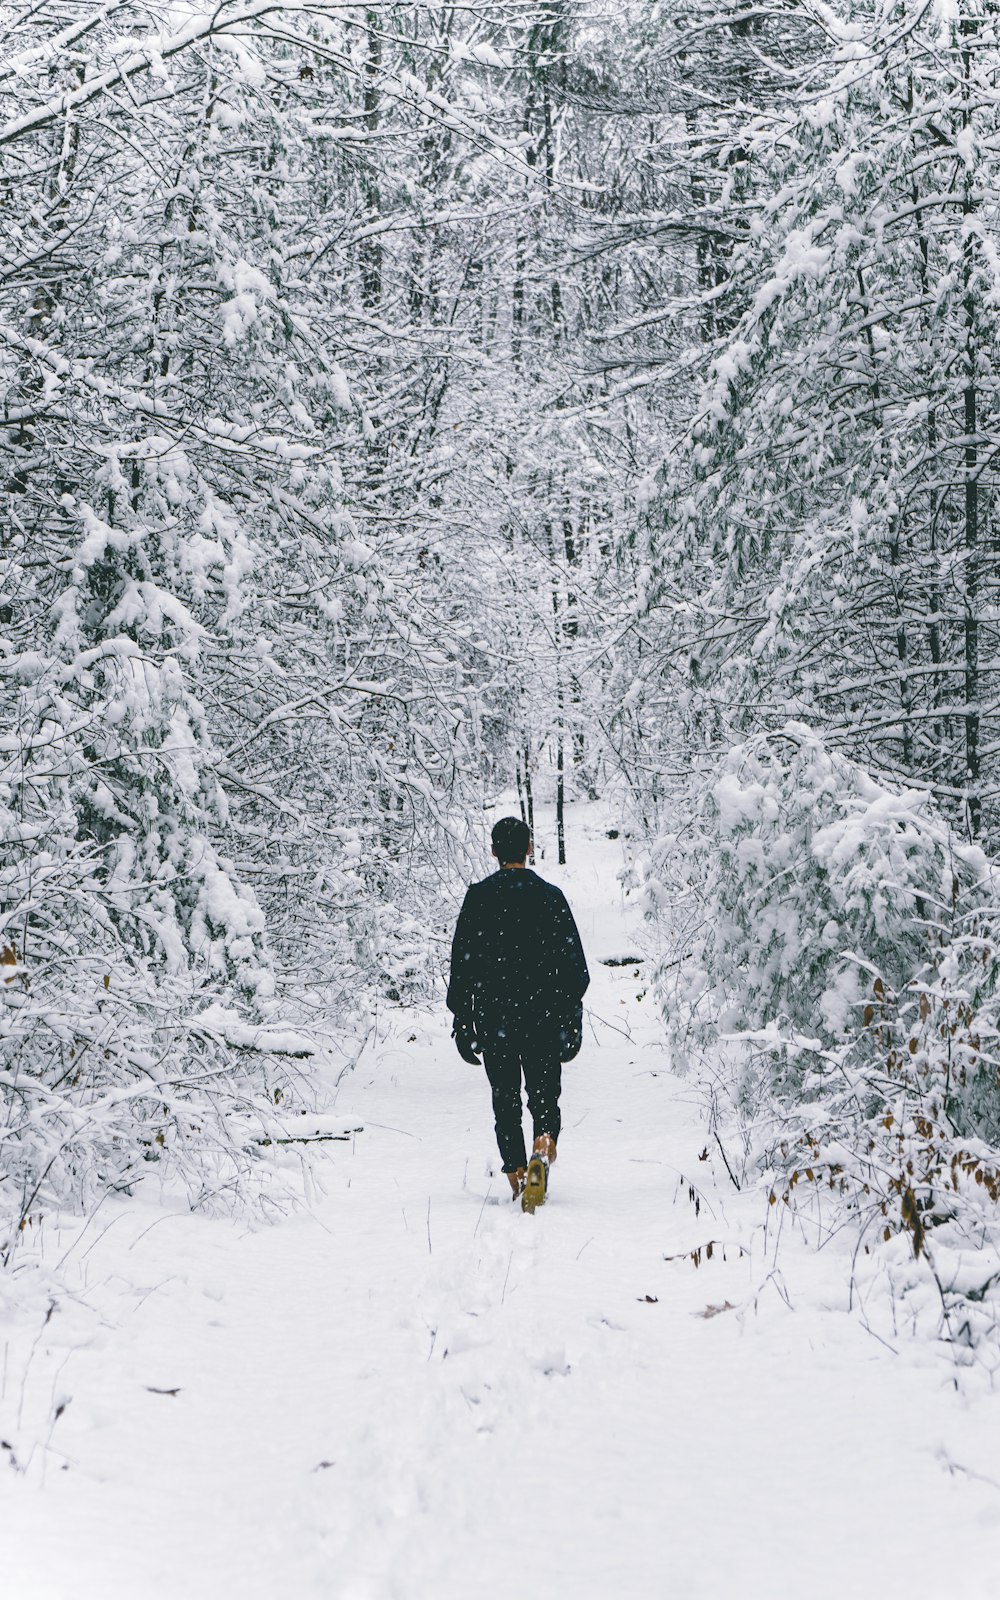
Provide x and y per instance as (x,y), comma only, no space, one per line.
(837,999)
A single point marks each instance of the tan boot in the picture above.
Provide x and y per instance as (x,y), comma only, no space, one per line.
(516,1181)
(536,1181)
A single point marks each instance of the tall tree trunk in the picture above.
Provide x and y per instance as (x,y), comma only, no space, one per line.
(529,796)
(371,248)
(557,627)
(971,506)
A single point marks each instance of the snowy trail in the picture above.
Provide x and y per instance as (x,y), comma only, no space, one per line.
(416,1391)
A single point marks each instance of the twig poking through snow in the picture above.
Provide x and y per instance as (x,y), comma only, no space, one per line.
(482,1208)
(726,1160)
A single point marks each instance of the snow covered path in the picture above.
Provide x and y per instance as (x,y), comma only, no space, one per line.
(415,1391)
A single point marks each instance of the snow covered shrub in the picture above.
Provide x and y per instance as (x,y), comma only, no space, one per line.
(815,876)
(841,1004)
(900,1128)
(109,1076)
(119,927)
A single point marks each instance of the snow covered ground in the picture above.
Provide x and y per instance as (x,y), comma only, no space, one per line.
(412,1390)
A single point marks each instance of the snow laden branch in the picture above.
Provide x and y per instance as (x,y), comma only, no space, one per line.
(150,57)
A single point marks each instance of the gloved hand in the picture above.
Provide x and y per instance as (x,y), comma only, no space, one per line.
(571,1034)
(465,1042)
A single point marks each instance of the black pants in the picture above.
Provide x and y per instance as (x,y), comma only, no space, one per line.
(506,1060)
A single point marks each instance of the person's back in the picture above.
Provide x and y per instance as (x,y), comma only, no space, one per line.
(517,959)
(518,975)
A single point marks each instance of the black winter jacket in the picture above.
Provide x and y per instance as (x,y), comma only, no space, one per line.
(516,958)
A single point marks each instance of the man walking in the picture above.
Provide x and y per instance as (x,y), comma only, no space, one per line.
(518,976)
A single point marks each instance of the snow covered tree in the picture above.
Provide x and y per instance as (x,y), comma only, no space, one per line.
(837,493)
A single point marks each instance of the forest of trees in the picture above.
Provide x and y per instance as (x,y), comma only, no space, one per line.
(404,403)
